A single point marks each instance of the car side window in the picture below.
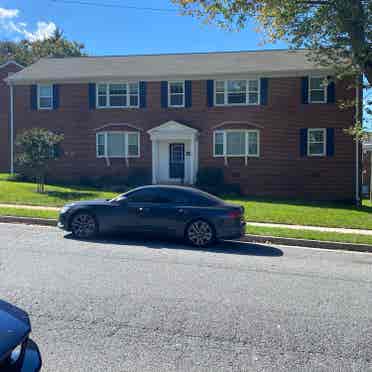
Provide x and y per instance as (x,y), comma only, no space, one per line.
(178,197)
(152,195)
(143,196)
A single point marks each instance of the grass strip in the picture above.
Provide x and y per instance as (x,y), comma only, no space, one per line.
(311,235)
(35,213)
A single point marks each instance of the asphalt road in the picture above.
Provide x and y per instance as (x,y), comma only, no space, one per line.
(126,305)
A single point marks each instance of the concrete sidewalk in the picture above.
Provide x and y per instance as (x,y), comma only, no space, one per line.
(312,228)
(256,224)
(21,206)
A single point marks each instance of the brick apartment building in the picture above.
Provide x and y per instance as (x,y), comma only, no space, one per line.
(269,119)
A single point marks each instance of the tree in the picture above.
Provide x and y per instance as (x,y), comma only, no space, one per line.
(338,32)
(26,52)
(36,149)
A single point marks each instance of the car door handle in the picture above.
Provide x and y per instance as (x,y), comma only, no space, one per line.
(180,210)
(143,209)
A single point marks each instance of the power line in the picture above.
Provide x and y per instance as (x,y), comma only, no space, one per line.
(112,5)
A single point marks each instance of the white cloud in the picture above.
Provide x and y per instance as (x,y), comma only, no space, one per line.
(8,13)
(43,31)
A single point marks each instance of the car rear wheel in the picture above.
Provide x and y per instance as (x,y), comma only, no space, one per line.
(200,233)
(83,226)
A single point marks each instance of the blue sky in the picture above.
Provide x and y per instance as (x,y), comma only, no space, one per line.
(126,31)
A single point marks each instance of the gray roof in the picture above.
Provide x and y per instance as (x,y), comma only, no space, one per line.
(156,67)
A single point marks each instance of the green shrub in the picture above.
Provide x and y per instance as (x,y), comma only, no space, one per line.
(209,177)
(212,180)
(138,177)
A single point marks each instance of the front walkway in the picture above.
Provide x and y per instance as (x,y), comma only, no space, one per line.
(257,224)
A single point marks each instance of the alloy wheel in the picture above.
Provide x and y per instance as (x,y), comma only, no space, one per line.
(200,233)
(83,225)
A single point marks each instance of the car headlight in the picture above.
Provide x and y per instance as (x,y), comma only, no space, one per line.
(16,353)
(65,208)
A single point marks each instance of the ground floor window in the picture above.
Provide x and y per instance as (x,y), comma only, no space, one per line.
(118,144)
(233,143)
(316,141)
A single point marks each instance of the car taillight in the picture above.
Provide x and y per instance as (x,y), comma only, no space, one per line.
(234,214)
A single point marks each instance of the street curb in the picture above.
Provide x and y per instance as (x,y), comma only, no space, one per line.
(248,238)
(307,243)
(29,220)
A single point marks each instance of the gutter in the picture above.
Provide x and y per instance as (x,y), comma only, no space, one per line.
(11,92)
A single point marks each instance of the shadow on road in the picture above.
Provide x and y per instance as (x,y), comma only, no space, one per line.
(224,247)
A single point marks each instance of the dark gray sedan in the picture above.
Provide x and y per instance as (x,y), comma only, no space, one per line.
(184,212)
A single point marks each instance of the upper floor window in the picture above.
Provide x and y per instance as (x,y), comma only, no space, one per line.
(236,143)
(316,141)
(317,90)
(117,95)
(45,96)
(176,93)
(118,144)
(237,92)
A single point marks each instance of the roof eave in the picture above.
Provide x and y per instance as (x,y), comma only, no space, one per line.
(86,79)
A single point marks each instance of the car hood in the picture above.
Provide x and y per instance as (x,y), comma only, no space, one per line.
(89,203)
(14,327)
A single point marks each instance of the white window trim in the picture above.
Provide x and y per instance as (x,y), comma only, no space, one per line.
(169,93)
(324,130)
(38,97)
(325,90)
(246,131)
(126,155)
(247,93)
(107,83)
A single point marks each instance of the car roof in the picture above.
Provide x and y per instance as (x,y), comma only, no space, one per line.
(171,187)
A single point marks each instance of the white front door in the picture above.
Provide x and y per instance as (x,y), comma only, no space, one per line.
(173,165)
(177,161)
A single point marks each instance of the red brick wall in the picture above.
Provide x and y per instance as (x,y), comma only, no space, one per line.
(279,171)
(4,116)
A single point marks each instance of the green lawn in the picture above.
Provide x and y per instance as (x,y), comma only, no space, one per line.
(311,235)
(256,209)
(306,213)
(24,193)
(22,212)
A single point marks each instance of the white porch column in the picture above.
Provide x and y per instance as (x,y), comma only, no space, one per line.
(192,159)
(154,147)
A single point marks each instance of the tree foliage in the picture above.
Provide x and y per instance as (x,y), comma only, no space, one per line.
(26,52)
(36,149)
(338,32)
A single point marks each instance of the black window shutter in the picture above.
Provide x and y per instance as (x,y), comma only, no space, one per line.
(210,93)
(264,84)
(92,96)
(188,93)
(142,93)
(303,142)
(331,93)
(305,89)
(164,94)
(330,141)
(55,96)
(33,97)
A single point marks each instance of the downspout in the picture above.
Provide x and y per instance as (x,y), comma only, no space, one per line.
(11,91)
(358,114)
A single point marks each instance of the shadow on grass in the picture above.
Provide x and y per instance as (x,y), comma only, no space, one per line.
(155,242)
(299,202)
(70,195)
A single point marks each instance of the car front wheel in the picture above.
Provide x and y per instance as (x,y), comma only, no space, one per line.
(200,233)
(83,226)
